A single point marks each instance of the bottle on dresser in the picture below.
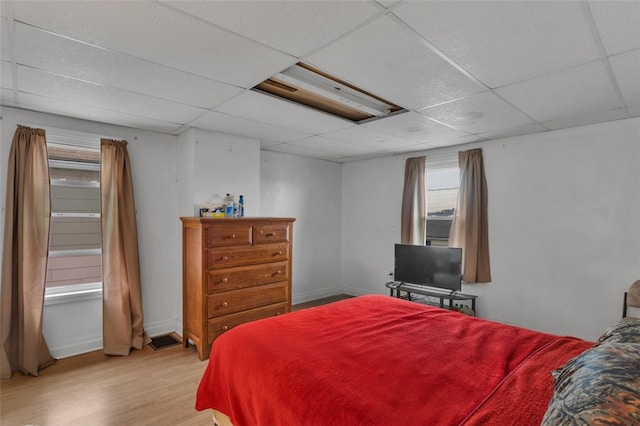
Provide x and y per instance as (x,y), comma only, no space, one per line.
(241,206)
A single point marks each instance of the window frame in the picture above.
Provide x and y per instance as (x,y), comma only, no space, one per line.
(443,162)
(84,141)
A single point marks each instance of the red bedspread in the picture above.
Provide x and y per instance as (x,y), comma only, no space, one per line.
(377,360)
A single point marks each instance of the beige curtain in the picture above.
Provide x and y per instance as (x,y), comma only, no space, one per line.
(121,290)
(470,229)
(413,226)
(24,255)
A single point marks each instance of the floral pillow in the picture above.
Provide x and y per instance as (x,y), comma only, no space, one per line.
(625,331)
(601,386)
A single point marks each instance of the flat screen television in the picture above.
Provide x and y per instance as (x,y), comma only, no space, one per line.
(438,267)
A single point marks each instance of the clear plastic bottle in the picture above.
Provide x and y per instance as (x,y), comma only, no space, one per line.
(241,206)
(229,206)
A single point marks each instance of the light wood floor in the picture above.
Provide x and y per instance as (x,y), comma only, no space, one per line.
(145,388)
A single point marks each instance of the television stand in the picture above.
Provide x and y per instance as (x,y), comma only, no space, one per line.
(441,294)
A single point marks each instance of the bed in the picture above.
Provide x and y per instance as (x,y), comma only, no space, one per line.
(379,360)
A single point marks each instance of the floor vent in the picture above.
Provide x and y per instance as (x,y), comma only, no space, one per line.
(164,341)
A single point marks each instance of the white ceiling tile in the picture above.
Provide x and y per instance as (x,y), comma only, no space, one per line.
(270,110)
(582,120)
(503,42)
(362,136)
(230,124)
(6,75)
(576,91)
(50,85)
(516,131)
(331,146)
(159,34)
(43,50)
(414,127)
(369,156)
(440,143)
(301,151)
(294,27)
(387,3)
(618,23)
(408,73)
(8,97)
(71,109)
(267,143)
(626,68)
(5,48)
(481,113)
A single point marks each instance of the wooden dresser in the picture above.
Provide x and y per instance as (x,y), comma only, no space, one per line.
(234,270)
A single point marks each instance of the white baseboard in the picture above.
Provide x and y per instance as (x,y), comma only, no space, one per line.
(355,291)
(76,347)
(161,327)
(94,343)
(313,295)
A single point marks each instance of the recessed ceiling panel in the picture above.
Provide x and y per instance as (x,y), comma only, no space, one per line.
(71,109)
(415,127)
(54,86)
(269,110)
(503,42)
(481,113)
(294,27)
(577,91)
(618,23)
(158,34)
(626,68)
(43,50)
(388,60)
(235,125)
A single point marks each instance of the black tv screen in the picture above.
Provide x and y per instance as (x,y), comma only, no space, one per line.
(431,266)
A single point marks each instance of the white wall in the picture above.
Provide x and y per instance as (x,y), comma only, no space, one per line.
(564,220)
(227,164)
(70,327)
(210,165)
(564,226)
(310,191)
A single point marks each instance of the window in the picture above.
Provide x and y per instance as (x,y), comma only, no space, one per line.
(443,183)
(75,254)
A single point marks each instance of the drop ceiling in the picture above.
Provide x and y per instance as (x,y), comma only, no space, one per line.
(463,71)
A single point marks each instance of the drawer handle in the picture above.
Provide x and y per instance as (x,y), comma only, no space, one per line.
(277,313)
(225,304)
(232,236)
(271,234)
(278,253)
(225,327)
(225,258)
(225,280)
(277,273)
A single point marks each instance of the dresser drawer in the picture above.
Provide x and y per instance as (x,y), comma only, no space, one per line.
(219,325)
(270,233)
(226,257)
(247,276)
(246,298)
(227,234)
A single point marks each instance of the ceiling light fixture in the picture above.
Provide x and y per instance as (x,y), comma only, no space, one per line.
(309,86)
